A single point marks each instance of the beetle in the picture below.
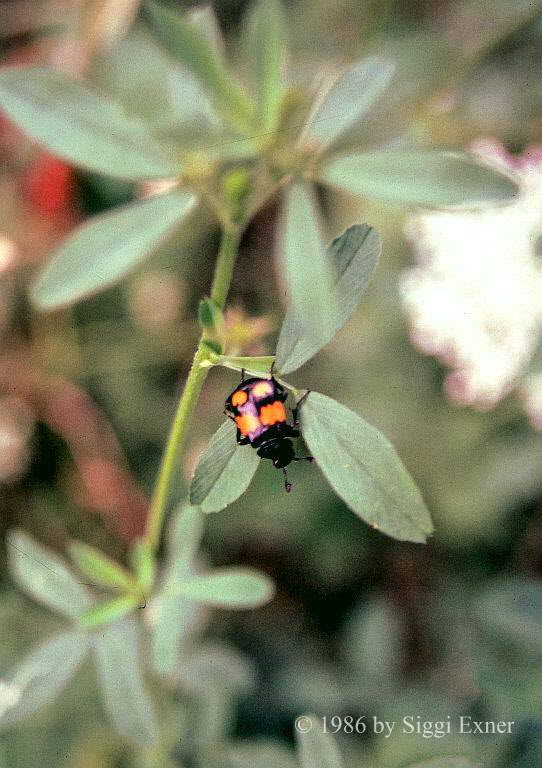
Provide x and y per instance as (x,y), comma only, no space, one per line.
(256,406)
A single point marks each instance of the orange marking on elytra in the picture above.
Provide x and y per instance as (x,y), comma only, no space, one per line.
(239,398)
(247,422)
(273,413)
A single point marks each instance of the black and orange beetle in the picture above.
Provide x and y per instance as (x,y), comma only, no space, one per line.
(256,406)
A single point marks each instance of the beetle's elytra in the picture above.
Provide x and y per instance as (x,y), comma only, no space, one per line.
(256,406)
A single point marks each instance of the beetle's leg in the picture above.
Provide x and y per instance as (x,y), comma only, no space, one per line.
(242,375)
(272,370)
(295,410)
(303,458)
(229,415)
(287,485)
(242,440)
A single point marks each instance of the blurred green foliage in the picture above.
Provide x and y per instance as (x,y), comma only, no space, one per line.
(361,625)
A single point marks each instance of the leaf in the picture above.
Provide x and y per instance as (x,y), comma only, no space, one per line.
(107,247)
(258,364)
(176,619)
(81,126)
(363,469)
(102,570)
(143,563)
(110,610)
(303,256)
(445,762)
(264,42)
(187,43)
(140,74)
(350,97)
(232,587)
(42,675)
(419,177)
(316,749)
(172,614)
(45,577)
(184,537)
(224,470)
(354,255)
(119,671)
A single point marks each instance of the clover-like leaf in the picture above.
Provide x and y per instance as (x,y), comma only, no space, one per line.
(363,468)
(140,74)
(230,587)
(316,748)
(224,471)
(99,568)
(42,675)
(265,52)
(143,562)
(81,126)
(183,541)
(445,762)
(307,271)
(110,610)
(354,256)
(423,177)
(45,577)
(186,41)
(124,696)
(107,247)
(173,613)
(350,97)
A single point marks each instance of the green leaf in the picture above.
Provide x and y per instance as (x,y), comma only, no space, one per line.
(45,577)
(224,470)
(350,97)
(42,675)
(143,563)
(119,671)
(306,269)
(231,587)
(363,469)
(186,42)
(81,126)
(102,570)
(445,762)
(264,43)
(419,177)
(107,247)
(174,614)
(140,74)
(184,537)
(316,749)
(257,364)
(354,255)
(110,610)
(203,18)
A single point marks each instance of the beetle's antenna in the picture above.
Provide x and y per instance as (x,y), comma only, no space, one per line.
(303,458)
(242,375)
(287,485)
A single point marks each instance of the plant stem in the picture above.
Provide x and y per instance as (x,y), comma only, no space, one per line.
(189,398)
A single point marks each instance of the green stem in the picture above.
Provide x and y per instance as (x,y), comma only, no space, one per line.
(189,398)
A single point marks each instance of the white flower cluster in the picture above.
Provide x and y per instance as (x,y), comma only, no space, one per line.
(474,297)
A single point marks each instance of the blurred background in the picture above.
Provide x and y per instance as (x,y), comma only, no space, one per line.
(444,356)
